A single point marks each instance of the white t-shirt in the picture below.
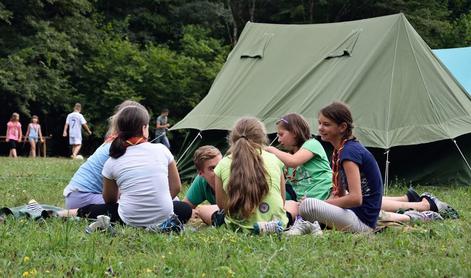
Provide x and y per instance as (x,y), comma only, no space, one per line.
(142,178)
(75,120)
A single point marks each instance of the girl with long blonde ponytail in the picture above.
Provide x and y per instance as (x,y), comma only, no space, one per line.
(249,181)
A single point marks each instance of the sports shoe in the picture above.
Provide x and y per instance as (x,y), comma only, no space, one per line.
(270,227)
(303,227)
(423,216)
(445,210)
(102,223)
(172,224)
(34,209)
(412,195)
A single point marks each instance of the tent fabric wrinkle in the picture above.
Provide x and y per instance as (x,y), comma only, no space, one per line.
(258,48)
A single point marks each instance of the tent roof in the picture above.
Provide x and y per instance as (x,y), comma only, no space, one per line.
(458,61)
(398,91)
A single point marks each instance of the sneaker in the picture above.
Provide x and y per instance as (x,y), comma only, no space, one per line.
(270,227)
(412,195)
(423,216)
(172,224)
(34,209)
(303,227)
(102,223)
(445,210)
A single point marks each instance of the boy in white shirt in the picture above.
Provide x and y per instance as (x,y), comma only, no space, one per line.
(73,124)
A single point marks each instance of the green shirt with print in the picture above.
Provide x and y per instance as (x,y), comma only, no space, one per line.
(313,179)
(200,191)
(271,207)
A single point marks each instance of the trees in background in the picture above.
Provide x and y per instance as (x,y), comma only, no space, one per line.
(163,53)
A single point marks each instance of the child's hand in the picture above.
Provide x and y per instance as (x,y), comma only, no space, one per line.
(7,140)
(64,134)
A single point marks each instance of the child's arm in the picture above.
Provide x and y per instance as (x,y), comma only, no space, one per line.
(40,134)
(87,129)
(20,134)
(6,134)
(354,198)
(283,188)
(174,179)
(27,132)
(291,160)
(221,196)
(110,191)
(66,126)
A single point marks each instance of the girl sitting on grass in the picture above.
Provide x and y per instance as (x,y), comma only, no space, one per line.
(86,186)
(357,185)
(143,176)
(249,182)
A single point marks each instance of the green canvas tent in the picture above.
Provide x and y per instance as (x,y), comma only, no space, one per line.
(407,108)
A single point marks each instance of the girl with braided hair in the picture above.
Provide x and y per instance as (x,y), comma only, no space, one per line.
(249,181)
(357,191)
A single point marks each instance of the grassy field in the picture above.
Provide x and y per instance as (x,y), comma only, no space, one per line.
(61,248)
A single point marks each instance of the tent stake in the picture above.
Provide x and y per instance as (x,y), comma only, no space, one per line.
(191,144)
(462,155)
(386,173)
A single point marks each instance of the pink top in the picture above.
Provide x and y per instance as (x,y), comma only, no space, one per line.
(13,130)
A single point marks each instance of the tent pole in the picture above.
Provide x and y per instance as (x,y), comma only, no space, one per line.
(462,155)
(386,173)
(191,144)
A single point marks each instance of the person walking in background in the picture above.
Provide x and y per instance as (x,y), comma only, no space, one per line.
(161,127)
(33,133)
(73,124)
(14,133)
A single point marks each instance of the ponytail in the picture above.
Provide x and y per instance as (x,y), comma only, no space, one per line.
(117,148)
(248,183)
(130,121)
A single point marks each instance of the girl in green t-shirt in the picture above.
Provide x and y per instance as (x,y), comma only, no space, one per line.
(249,182)
(307,169)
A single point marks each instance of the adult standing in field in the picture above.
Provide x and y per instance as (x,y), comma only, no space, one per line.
(14,133)
(73,124)
(161,127)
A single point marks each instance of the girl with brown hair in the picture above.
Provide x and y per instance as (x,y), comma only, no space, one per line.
(249,181)
(307,169)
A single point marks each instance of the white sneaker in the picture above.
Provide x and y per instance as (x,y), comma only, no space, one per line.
(102,223)
(270,227)
(304,227)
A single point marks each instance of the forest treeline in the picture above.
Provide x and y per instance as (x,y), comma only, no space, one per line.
(163,53)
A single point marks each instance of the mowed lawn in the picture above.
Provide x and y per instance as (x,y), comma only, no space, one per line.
(58,248)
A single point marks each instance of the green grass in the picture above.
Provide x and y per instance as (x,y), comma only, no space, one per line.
(61,248)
